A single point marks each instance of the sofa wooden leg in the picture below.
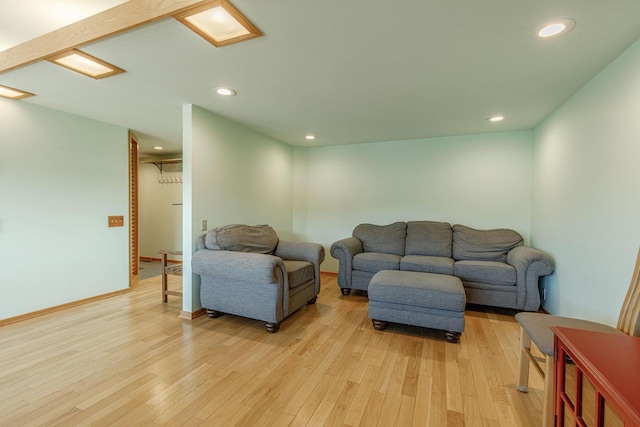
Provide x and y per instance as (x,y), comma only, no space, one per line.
(345,291)
(272,328)
(313,300)
(214,313)
(453,337)
(379,325)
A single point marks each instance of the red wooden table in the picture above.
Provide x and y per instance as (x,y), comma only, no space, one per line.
(611,365)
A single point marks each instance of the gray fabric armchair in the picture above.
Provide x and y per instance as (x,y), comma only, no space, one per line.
(247,271)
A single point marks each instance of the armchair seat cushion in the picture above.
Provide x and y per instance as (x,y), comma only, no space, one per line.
(427,264)
(298,273)
(374,262)
(495,273)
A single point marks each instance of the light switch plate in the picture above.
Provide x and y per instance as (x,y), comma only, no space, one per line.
(203,225)
(116,221)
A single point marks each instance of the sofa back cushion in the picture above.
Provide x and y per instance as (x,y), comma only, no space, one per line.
(260,239)
(385,239)
(429,238)
(483,245)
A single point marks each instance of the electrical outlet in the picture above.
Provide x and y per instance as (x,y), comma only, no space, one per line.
(116,221)
(203,225)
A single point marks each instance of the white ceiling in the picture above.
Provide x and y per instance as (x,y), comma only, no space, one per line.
(347,71)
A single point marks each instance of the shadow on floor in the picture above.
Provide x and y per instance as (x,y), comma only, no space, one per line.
(150,269)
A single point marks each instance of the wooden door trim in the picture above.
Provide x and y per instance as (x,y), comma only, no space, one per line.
(134,254)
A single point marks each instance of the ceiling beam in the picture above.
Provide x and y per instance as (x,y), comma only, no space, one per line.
(132,14)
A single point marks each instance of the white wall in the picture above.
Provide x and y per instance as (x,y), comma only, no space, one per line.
(236,175)
(61,176)
(586,207)
(482,181)
(160,211)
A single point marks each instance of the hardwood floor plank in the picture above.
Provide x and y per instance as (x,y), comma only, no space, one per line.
(359,403)
(341,404)
(312,404)
(372,410)
(129,360)
(454,386)
(393,394)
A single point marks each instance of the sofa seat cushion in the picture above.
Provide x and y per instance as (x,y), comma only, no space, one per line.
(298,273)
(495,273)
(427,264)
(374,262)
(387,239)
(429,238)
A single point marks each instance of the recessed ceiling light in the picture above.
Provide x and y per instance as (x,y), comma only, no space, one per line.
(157,147)
(496,118)
(84,63)
(11,93)
(219,22)
(556,28)
(225,91)
(310,137)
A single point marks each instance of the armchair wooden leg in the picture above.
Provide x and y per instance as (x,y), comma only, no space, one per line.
(523,365)
(313,300)
(272,328)
(547,404)
(345,291)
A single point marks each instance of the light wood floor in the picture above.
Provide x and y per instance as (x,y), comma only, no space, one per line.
(129,360)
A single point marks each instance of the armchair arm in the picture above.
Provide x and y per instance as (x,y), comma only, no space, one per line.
(238,266)
(530,264)
(302,251)
(344,250)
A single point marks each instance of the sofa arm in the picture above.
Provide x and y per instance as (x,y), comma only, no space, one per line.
(530,265)
(302,251)
(239,266)
(344,250)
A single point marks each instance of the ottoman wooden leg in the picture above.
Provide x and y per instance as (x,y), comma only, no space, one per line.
(453,337)
(379,325)
(345,291)
(214,313)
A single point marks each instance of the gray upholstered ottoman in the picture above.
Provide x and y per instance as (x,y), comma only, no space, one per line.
(434,301)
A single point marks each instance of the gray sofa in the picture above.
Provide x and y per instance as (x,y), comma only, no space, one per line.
(247,271)
(495,266)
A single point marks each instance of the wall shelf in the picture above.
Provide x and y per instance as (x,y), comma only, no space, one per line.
(160,162)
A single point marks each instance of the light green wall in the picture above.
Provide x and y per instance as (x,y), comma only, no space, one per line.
(586,206)
(61,175)
(483,181)
(236,176)
(300,184)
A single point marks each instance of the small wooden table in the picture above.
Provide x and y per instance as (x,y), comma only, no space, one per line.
(597,378)
(174,270)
